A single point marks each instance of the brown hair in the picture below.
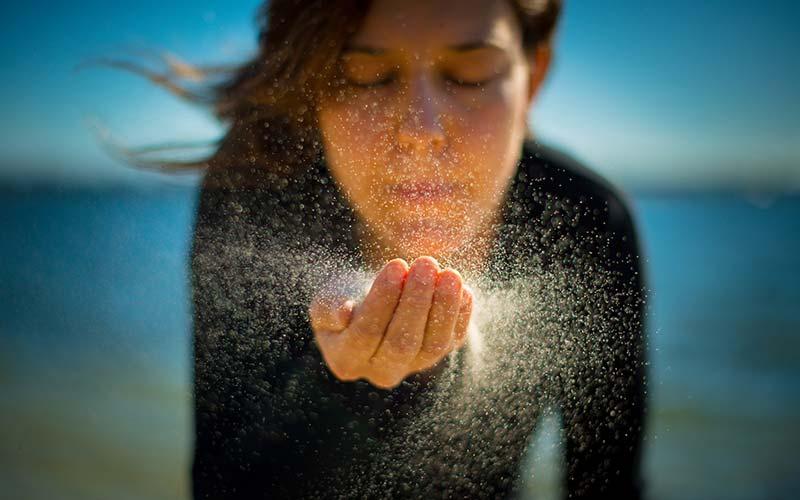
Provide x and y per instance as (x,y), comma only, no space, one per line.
(269,101)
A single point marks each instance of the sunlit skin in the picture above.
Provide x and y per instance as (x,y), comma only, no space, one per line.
(423,141)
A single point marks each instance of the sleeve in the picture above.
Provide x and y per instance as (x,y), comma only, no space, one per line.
(250,347)
(603,397)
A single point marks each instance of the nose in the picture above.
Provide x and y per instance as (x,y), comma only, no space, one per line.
(420,128)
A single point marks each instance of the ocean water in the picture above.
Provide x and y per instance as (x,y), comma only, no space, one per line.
(95,346)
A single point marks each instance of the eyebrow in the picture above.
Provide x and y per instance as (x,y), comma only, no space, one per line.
(461,47)
(476,45)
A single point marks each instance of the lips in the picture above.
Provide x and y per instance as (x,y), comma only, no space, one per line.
(422,191)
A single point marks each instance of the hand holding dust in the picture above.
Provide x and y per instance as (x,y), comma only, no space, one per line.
(409,320)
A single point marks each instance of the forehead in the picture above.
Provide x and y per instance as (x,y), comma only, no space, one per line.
(422,25)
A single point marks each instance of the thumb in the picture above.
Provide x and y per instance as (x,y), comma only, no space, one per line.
(330,313)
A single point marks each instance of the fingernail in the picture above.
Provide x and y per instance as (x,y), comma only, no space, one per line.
(344,313)
(433,262)
(395,273)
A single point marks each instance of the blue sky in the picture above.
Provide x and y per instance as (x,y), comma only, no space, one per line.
(678,94)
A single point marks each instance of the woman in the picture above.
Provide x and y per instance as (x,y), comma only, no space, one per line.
(388,140)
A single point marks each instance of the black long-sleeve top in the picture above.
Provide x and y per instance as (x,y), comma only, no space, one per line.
(561,328)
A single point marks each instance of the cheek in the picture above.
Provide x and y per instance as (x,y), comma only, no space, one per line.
(492,129)
(357,129)
(354,138)
(496,114)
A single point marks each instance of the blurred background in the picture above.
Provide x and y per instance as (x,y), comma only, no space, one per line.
(692,107)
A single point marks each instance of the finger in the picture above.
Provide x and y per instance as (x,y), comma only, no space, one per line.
(328,319)
(441,320)
(381,378)
(407,327)
(359,341)
(462,323)
(331,314)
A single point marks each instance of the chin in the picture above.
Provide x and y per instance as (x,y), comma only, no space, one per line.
(427,238)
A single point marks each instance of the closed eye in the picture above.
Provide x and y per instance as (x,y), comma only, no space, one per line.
(450,80)
(461,82)
(382,82)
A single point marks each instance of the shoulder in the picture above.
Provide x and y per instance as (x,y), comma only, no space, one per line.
(561,175)
(573,214)
(302,209)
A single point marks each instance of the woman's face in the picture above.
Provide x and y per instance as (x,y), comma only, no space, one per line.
(427,131)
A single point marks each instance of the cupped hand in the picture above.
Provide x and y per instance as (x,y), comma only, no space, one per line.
(409,320)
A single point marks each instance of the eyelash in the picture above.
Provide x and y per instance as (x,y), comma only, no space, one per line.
(462,83)
(448,80)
